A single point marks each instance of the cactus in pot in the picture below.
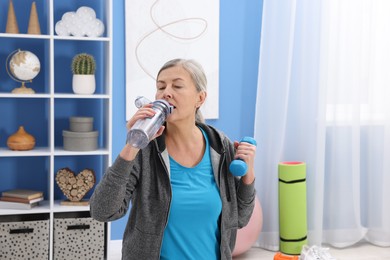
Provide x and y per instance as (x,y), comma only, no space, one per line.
(83,63)
(83,69)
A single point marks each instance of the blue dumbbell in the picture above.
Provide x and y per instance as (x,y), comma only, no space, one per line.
(238,167)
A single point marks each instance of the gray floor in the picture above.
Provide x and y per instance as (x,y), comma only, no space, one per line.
(358,252)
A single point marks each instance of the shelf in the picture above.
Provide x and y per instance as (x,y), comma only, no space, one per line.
(76,96)
(57,95)
(60,208)
(37,95)
(37,151)
(44,151)
(24,36)
(73,38)
(62,152)
(43,207)
(46,113)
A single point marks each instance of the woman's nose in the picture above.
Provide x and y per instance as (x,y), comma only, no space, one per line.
(167,93)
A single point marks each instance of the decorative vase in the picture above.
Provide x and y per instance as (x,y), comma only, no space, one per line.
(83,84)
(21,140)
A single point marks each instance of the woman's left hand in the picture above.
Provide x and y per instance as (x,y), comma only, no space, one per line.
(246,152)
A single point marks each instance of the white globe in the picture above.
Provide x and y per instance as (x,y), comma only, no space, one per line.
(24,65)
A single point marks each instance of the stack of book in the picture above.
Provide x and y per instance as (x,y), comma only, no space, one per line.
(20,199)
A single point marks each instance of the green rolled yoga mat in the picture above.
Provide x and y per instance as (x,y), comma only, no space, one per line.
(292,207)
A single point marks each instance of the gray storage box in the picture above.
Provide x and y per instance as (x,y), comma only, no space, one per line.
(80,141)
(78,238)
(24,240)
(81,124)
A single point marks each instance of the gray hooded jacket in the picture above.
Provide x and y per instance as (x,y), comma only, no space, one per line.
(145,183)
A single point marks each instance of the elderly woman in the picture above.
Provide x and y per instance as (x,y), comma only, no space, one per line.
(185,204)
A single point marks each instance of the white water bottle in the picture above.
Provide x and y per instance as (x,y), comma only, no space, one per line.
(144,129)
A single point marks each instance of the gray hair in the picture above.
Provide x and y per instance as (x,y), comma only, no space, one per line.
(197,75)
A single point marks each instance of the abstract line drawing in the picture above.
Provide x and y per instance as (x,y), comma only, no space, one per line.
(160,30)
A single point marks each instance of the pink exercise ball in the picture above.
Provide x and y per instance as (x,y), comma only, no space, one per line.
(248,235)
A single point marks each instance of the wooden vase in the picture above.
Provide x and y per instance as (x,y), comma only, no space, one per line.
(21,140)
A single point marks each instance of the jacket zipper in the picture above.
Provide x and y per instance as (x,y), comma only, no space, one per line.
(169,204)
(226,179)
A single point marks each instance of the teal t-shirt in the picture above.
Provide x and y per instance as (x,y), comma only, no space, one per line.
(192,231)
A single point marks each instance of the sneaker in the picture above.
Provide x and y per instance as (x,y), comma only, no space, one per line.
(315,253)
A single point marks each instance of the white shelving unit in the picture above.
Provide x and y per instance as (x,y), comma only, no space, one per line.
(45,113)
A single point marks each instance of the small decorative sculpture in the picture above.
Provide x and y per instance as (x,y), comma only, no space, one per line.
(33,25)
(81,23)
(23,66)
(75,187)
(21,140)
(12,23)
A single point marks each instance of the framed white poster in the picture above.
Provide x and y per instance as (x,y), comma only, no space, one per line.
(158,31)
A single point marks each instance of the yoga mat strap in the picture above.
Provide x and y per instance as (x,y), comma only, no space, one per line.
(292,182)
(293,240)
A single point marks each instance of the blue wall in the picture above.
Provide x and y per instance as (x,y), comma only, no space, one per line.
(240,26)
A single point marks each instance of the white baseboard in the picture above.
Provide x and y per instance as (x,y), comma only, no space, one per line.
(115,250)
(116,244)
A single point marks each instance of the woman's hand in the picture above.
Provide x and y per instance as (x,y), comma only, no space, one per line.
(129,152)
(246,152)
(144,112)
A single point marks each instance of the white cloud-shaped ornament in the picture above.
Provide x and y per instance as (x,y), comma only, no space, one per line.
(81,23)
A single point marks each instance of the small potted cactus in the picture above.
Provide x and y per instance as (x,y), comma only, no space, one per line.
(83,68)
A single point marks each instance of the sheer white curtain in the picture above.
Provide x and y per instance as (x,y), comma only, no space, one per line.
(324,99)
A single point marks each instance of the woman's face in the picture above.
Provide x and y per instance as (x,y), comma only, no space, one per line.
(176,86)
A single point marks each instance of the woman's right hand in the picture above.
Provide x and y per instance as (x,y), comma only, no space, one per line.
(144,112)
(129,152)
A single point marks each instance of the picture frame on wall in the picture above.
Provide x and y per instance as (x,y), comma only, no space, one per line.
(157,32)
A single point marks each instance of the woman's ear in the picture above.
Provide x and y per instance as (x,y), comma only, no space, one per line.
(201,98)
